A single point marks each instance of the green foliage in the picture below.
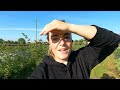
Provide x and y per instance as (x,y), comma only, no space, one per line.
(118,64)
(21,41)
(117,53)
(117,56)
(75,47)
(18,62)
(1,41)
(79,44)
(26,37)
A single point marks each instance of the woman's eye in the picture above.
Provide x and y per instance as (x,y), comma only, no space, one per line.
(55,39)
(66,37)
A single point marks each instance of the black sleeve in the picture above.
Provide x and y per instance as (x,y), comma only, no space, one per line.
(38,73)
(104,42)
(100,46)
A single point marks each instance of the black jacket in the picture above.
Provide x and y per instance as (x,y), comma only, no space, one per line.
(81,61)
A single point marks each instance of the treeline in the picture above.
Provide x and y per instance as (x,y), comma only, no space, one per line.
(80,42)
(22,41)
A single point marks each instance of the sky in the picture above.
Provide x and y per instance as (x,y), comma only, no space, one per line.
(14,23)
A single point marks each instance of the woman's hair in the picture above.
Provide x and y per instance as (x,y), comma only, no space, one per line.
(50,53)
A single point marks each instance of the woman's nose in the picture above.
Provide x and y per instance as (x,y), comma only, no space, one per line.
(62,41)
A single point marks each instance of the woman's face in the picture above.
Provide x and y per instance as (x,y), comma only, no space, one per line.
(60,43)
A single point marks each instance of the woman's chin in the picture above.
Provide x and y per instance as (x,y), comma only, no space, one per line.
(63,57)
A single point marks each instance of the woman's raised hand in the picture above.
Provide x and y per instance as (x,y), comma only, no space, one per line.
(55,25)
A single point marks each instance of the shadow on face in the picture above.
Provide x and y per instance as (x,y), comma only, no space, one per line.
(57,36)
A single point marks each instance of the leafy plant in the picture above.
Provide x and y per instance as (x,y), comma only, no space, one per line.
(19,62)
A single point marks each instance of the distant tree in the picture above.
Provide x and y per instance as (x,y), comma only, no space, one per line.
(76,42)
(11,42)
(1,41)
(16,42)
(8,41)
(40,40)
(21,41)
(81,41)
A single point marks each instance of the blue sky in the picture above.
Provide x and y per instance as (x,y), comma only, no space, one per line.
(14,23)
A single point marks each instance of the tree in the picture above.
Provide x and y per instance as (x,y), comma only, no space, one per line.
(26,37)
(16,42)
(81,42)
(1,41)
(76,42)
(21,41)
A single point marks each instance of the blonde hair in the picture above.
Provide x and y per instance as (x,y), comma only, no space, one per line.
(50,53)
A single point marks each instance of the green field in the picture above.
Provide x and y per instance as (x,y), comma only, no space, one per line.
(106,69)
(18,62)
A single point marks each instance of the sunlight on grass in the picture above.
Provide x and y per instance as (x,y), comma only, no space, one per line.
(105,70)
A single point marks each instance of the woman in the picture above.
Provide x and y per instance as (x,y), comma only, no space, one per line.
(62,63)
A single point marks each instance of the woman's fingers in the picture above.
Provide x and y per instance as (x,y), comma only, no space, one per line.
(45,29)
(54,25)
(41,33)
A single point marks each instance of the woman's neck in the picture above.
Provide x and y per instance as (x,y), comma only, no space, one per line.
(64,61)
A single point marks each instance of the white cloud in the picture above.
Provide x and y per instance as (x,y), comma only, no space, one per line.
(25,29)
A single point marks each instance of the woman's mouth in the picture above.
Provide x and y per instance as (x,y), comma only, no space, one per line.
(63,51)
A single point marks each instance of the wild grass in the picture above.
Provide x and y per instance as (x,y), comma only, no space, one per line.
(106,69)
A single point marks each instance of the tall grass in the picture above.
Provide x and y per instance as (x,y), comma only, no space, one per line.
(117,57)
(109,68)
(106,69)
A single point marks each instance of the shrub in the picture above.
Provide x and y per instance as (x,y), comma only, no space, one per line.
(19,62)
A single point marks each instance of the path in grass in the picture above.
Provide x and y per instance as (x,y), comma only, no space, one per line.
(105,70)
